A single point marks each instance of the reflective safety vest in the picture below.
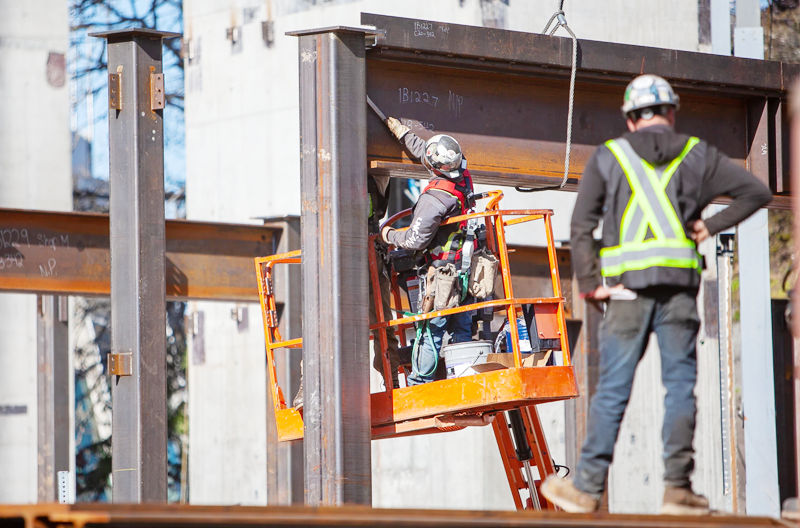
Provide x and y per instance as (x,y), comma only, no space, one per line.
(649,210)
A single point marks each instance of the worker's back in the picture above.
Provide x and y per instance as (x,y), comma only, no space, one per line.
(652,184)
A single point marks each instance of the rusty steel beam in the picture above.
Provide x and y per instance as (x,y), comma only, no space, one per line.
(504,95)
(68,254)
(151,515)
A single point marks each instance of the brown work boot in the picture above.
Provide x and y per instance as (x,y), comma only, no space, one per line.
(683,501)
(563,493)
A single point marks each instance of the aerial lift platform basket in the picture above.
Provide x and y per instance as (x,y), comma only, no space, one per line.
(504,398)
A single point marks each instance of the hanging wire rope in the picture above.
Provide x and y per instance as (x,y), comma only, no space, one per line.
(561,21)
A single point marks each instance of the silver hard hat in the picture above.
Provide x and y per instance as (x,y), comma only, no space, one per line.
(443,156)
(648,90)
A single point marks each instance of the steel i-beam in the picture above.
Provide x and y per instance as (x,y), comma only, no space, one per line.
(138,291)
(53,388)
(504,95)
(61,253)
(333,188)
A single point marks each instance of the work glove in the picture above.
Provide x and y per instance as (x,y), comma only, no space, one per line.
(385,233)
(398,129)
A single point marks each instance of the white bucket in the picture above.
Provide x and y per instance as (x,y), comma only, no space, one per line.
(459,358)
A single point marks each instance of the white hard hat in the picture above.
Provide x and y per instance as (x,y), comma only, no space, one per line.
(443,156)
(646,91)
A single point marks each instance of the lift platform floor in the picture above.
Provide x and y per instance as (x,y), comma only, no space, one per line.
(173,516)
(413,410)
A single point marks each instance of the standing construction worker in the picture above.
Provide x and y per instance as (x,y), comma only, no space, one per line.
(448,194)
(649,187)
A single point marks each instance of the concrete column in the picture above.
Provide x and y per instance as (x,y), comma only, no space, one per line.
(34,174)
(758,385)
(748,37)
(721,27)
(228,450)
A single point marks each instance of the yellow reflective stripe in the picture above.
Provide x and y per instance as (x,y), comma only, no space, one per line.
(636,188)
(449,243)
(648,244)
(641,233)
(673,165)
(627,215)
(649,262)
(446,192)
(666,205)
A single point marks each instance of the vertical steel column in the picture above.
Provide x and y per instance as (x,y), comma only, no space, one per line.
(138,290)
(54,401)
(794,108)
(285,459)
(333,154)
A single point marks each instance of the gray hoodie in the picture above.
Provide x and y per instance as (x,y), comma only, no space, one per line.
(431,209)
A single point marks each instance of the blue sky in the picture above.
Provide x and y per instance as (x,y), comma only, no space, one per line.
(169,19)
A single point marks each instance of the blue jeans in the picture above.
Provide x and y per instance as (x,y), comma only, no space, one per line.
(624,333)
(424,364)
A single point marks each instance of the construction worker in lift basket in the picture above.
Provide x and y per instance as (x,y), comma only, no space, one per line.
(448,194)
(378,190)
(649,187)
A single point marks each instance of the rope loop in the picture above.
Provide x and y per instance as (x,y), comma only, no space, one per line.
(562,22)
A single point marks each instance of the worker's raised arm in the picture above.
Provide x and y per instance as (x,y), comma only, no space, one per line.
(428,214)
(585,217)
(414,143)
(724,177)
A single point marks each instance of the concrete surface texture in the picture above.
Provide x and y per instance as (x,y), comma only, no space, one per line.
(227,405)
(242,144)
(34,174)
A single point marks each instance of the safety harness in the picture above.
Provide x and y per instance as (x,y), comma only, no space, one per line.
(649,210)
(451,238)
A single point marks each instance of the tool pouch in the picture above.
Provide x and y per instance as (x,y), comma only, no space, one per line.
(446,289)
(483,274)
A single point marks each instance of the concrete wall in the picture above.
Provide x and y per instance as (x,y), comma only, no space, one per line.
(242,144)
(34,174)
(227,406)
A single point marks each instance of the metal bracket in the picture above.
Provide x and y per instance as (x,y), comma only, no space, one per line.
(269,289)
(272,318)
(115,91)
(156,91)
(120,364)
